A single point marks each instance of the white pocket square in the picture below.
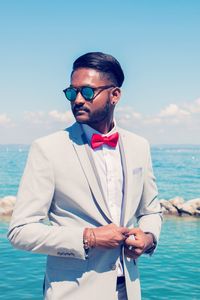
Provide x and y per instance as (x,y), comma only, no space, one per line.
(137,170)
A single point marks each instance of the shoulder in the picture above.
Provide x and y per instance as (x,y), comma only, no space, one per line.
(51,139)
(55,142)
(135,146)
(133,138)
(61,136)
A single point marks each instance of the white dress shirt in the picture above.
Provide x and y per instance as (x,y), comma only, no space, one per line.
(109,167)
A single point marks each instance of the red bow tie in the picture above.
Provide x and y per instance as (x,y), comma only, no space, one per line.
(98,140)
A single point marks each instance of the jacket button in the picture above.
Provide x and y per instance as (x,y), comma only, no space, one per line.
(113,267)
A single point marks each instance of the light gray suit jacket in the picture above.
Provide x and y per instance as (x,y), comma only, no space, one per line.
(60,182)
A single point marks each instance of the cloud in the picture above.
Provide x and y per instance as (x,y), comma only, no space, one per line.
(153,120)
(173,124)
(194,107)
(173,110)
(128,112)
(47,118)
(5,120)
(171,114)
(187,113)
(61,117)
(34,124)
(37,117)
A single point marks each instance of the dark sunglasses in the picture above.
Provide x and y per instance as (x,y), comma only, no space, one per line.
(87,92)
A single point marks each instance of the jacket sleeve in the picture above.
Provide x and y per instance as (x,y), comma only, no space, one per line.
(149,214)
(29,229)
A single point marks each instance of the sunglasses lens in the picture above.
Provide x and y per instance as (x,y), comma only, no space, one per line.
(87,93)
(70,94)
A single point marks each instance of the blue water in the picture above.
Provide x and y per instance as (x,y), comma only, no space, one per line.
(173,273)
(177,170)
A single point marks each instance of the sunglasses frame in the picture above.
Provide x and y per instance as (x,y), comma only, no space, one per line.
(77,90)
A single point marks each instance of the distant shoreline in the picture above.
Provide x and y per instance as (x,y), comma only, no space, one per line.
(152,145)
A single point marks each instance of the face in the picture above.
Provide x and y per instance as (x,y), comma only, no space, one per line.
(99,111)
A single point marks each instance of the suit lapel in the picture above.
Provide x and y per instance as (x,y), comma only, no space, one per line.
(82,150)
(124,167)
(126,164)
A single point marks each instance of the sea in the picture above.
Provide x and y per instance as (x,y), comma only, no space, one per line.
(172,273)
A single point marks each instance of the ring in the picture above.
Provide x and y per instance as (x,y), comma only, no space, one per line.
(130,248)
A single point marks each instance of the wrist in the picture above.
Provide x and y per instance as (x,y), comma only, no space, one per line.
(151,242)
(89,239)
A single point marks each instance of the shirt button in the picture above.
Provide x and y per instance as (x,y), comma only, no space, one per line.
(113,267)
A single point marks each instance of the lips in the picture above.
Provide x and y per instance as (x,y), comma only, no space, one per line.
(79,111)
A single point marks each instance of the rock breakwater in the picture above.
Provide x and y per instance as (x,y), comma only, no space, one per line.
(179,207)
(176,206)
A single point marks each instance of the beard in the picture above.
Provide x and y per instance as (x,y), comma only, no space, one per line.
(100,115)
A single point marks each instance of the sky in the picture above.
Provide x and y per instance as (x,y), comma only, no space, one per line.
(156,42)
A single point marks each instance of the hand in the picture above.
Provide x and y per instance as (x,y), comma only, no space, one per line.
(140,244)
(110,236)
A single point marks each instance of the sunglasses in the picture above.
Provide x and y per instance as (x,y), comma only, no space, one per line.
(87,92)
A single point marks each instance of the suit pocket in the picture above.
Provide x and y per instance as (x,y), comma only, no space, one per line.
(137,177)
(137,171)
(64,263)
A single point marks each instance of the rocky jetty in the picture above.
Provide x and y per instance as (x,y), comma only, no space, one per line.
(179,207)
(176,206)
(6,206)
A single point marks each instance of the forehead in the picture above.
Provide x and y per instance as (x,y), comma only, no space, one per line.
(87,76)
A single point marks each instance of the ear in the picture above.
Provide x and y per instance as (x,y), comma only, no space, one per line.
(115,95)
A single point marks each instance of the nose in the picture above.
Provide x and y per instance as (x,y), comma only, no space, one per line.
(79,99)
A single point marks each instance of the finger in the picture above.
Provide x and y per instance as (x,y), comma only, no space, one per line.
(130,254)
(123,237)
(124,230)
(134,231)
(135,252)
(133,243)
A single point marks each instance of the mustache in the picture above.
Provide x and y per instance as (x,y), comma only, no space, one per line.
(77,108)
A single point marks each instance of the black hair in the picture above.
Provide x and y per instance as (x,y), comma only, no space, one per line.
(104,63)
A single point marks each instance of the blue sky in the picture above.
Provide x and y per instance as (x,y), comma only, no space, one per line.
(156,42)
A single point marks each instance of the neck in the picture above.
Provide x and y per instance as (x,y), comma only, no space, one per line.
(104,127)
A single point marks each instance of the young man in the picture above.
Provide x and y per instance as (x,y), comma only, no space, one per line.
(94,182)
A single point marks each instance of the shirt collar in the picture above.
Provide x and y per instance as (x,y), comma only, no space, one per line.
(89,131)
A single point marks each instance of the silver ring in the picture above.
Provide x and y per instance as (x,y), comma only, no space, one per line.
(130,248)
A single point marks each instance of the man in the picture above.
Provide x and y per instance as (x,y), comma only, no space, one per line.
(94,182)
